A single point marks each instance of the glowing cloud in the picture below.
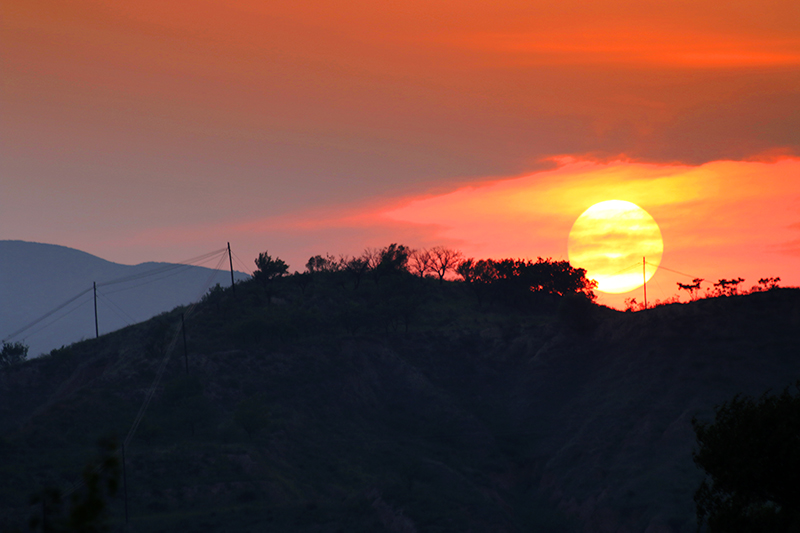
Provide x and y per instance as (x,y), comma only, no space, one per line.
(626,45)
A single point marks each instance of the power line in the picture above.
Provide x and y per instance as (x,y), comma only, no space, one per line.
(46,315)
(240,263)
(47,325)
(116,309)
(216,271)
(104,297)
(174,272)
(183,268)
(663,294)
(140,275)
(635,265)
(161,269)
(162,366)
(675,271)
(167,270)
(156,380)
(151,391)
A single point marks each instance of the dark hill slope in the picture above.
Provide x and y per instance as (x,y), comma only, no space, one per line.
(35,278)
(615,443)
(315,413)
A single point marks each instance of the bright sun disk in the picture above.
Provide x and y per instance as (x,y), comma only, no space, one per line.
(610,239)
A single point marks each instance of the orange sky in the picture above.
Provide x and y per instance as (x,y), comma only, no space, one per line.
(155,130)
(723,219)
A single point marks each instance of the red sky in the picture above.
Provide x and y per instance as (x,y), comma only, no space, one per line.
(161,130)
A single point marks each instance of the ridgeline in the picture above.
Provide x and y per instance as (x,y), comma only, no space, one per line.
(398,403)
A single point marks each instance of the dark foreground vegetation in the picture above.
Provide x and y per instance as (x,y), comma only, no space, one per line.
(370,395)
(751,453)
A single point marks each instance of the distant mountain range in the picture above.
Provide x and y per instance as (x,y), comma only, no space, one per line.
(37,278)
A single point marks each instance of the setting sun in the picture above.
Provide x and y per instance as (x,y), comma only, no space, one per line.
(610,239)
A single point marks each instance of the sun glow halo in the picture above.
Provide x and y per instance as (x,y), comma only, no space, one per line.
(610,239)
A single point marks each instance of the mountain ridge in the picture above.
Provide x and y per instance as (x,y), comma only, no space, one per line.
(37,277)
(478,418)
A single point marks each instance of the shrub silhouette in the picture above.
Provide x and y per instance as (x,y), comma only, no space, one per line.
(727,287)
(692,288)
(751,456)
(767,284)
(13,354)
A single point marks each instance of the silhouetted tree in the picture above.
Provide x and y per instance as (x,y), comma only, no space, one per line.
(479,275)
(466,269)
(267,270)
(13,354)
(355,267)
(444,260)
(751,457)
(390,260)
(514,281)
(372,256)
(559,278)
(420,262)
(302,280)
(323,264)
(214,296)
(482,271)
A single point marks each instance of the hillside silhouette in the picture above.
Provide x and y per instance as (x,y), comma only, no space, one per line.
(396,403)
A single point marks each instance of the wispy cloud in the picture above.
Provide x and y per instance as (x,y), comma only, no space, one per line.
(632,46)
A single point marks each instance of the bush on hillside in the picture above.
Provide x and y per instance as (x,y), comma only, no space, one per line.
(13,354)
(751,456)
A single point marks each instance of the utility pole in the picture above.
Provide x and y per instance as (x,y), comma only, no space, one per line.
(125,483)
(96,329)
(185,352)
(230,259)
(644,279)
